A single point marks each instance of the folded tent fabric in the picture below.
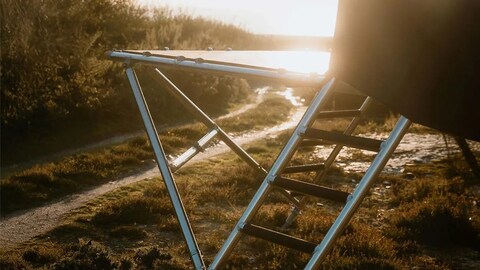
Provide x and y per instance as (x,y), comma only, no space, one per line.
(421,58)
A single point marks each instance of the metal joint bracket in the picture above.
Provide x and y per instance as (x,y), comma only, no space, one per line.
(271,178)
(128,63)
(241,225)
(173,168)
(301,130)
(180,59)
(383,144)
(198,147)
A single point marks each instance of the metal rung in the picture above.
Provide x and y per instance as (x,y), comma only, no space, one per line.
(304,168)
(278,238)
(347,140)
(339,113)
(194,150)
(311,189)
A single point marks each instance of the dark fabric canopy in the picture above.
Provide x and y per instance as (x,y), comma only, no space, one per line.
(419,57)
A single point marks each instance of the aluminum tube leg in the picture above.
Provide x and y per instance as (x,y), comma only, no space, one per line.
(197,112)
(468,155)
(328,163)
(165,170)
(281,161)
(360,192)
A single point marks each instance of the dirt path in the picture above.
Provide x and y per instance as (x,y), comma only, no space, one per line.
(22,226)
(119,139)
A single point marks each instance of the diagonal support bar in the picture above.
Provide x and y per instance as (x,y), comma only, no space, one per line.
(202,117)
(165,170)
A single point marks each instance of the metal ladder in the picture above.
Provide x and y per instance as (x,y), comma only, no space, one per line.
(166,167)
(304,134)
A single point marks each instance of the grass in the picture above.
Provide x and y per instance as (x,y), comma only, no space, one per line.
(133,227)
(438,208)
(271,111)
(46,182)
(43,183)
(422,222)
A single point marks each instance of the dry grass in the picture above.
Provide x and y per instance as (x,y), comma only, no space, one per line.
(133,227)
(43,183)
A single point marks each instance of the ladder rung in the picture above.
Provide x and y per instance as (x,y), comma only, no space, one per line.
(304,168)
(347,140)
(311,189)
(339,113)
(278,238)
(192,151)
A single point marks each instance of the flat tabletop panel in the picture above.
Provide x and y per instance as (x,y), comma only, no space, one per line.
(292,61)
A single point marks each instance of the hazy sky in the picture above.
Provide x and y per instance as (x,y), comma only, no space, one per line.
(279,17)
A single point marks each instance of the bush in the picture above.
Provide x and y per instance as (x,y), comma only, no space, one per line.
(56,82)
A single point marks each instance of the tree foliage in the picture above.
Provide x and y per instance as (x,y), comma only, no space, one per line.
(54,72)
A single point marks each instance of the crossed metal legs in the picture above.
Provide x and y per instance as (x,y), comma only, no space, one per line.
(284,157)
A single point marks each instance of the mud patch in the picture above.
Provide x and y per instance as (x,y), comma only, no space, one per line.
(414,148)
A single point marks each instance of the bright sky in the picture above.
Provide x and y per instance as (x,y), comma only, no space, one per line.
(277,17)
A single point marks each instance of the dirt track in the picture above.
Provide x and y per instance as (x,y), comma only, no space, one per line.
(22,226)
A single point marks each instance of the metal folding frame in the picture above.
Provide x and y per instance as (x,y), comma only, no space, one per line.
(272,177)
(166,168)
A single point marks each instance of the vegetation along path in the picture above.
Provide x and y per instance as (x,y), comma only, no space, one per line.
(24,225)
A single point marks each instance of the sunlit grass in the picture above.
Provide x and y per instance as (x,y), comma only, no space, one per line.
(134,225)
